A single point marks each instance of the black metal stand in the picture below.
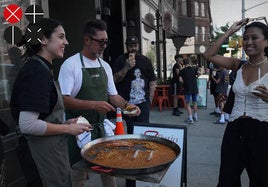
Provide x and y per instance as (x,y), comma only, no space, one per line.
(152,177)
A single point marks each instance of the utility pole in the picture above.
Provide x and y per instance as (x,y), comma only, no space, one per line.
(243,17)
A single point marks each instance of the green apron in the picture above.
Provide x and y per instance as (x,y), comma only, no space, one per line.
(50,152)
(94,88)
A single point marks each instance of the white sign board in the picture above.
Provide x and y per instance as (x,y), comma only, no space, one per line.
(202,89)
(176,174)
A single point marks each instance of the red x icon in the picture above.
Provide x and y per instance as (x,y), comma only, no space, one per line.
(12,13)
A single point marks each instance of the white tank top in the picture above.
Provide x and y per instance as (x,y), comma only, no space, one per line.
(246,103)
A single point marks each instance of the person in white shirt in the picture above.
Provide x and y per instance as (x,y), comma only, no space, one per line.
(87,85)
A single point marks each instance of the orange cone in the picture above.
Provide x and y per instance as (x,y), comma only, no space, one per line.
(119,129)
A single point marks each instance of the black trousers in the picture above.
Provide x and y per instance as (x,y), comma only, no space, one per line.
(244,146)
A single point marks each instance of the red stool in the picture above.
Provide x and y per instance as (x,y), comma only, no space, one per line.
(182,98)
(160,98)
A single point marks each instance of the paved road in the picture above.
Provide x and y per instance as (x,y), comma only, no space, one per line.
(203,146)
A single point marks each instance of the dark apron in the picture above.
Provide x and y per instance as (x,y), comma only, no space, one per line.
(94,88)
(50,153)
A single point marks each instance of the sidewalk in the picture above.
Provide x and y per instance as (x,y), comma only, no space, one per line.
(203,145)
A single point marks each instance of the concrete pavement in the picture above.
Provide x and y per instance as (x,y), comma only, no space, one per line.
(203,146)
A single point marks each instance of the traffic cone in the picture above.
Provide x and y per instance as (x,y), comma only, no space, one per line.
(119,129)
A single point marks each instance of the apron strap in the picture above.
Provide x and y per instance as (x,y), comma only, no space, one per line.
(81,59)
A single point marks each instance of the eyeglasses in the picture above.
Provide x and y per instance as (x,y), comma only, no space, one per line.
(258,19)
(101,42)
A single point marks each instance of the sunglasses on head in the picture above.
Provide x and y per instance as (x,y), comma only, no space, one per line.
(258,19)
(101,42)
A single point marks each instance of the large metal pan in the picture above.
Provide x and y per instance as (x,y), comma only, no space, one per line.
(130,171)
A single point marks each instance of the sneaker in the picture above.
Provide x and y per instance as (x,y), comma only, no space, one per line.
(219,122)
(189,121)
(180,112)
(213,113)
(218,115)
(176,113)
(195,119)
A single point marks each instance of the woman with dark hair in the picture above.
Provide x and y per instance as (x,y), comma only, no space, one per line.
(37,106)
(245,141)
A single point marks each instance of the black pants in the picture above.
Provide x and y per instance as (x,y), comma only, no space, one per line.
(244,146)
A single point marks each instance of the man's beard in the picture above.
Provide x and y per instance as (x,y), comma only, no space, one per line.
(98,55)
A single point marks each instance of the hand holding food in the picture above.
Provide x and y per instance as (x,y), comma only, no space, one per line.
(262,92)
(85,137)
(83,120)
(131,110)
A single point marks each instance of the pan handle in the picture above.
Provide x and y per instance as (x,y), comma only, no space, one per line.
(101,169)
(151,131)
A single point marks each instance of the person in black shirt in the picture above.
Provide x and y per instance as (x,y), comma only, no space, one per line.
(221,90)
(188,76)
(176,84)
(37,106)
(133,67)
(213,75)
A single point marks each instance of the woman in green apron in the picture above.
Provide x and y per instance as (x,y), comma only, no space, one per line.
(37,106)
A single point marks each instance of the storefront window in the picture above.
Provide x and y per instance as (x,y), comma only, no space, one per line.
(184,8)
(203,34)
(196,8)
(203,9)
(10,61)
(148,33)
(170,53)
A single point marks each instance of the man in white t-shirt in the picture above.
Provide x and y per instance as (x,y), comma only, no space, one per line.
(88,87)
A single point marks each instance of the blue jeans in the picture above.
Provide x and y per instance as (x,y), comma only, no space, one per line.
(189,96)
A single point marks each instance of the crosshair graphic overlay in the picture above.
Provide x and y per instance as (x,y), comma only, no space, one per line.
(34,13)
(12,13)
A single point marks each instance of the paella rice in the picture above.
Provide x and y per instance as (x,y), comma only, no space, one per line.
(130,153)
